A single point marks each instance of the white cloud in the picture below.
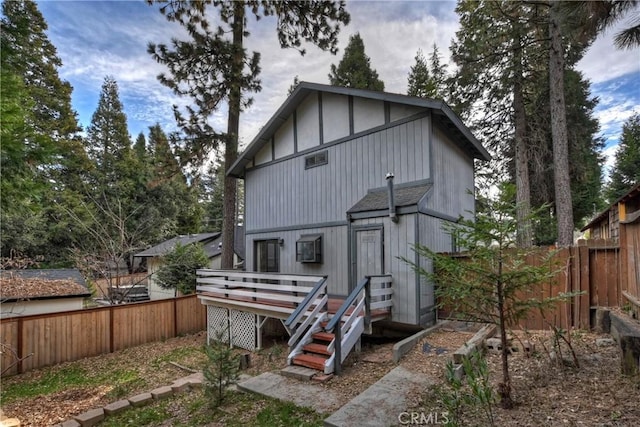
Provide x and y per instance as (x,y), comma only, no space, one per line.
(604,62)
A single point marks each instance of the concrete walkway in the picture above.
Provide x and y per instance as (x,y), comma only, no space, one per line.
(379,405)
(302,393)
(382,403)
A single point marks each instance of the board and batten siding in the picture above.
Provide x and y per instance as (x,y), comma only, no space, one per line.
(431,234)
(334,251)
(284,193)
(452,178)
(398,238)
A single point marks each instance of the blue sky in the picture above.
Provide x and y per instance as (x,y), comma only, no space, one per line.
(99,38)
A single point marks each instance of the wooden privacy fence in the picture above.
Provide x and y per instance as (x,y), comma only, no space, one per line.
(592,267)
(66,336)
(630,261)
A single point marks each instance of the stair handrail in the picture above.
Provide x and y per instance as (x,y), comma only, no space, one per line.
(334,323)
(306,303)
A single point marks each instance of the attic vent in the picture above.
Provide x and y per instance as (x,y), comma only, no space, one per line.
(316,159)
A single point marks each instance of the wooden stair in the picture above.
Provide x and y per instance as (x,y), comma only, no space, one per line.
(315,354)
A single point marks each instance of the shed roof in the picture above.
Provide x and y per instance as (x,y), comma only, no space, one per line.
(445,115)
(634,192)
(42,284)
(378,199)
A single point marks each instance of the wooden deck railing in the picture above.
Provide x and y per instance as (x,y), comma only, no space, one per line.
(371,297)
(267,294)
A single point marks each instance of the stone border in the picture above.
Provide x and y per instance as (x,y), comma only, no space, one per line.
(406,345)
(94,416)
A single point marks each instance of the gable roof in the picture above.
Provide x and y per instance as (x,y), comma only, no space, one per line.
(378,199)
(42,284)
(214,247)
(634,192)
(211,243)
(446,117)
(168,245)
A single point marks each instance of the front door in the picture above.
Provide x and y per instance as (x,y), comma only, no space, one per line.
(368,252)
(267,256)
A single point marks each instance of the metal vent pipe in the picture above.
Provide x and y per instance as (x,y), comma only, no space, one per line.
(392,200)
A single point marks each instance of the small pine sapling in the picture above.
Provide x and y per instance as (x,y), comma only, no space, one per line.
(221,370)
(493,280)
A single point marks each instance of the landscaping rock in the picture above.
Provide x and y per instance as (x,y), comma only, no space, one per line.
(180,385)
(115,407)
(605,342)
(141,399)
(90,418)
(10,422)
(71,423)
(161,392)
(602,321)
(458,372)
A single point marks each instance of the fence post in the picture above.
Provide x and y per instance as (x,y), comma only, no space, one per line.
(175,317)
(111,331)
(20,344)
(585,285)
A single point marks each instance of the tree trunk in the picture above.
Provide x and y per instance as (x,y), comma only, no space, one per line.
(231,145)
(504,388)
(523,189)
(563,202)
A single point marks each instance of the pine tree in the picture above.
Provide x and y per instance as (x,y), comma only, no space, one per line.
(439,75)
(213,67)
(499,44)
(42,146)
(354,70)
(108,143)
(626,168)
(420,82)
(428,79)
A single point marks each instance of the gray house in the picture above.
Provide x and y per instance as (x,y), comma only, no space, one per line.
(341,182)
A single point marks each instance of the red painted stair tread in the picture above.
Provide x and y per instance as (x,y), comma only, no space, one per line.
(317,348)
(323,336)
(310,361)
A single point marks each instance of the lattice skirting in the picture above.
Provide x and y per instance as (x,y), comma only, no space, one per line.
(240,328)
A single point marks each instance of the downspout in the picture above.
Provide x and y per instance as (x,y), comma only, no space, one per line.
(392,201)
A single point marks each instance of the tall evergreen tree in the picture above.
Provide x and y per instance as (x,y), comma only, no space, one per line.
(626,168)
(354,70)
(503,53)
(439,75)
(44,141)
(108,142)
(213,67)
(420,82)
(428,79)
(562,182)
(495,50)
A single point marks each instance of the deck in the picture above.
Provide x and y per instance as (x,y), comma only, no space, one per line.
(322,330)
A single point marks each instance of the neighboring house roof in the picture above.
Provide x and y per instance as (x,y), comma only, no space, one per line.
(214,248)
(378,199)
(211,242)
(634,192)
(42,284)
(446,117)
(168,245)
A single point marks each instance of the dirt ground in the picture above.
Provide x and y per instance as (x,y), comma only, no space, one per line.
(547,393)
